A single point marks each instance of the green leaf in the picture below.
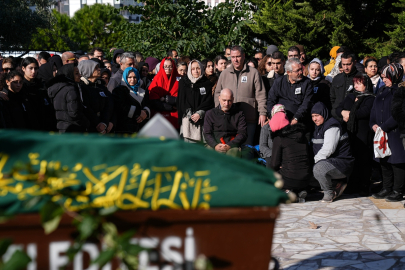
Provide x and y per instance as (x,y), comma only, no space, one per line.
(87,226)
(32,202)
(52,224)
(104,257)
(4,244)
(19,260)
(108,211)
(51,214)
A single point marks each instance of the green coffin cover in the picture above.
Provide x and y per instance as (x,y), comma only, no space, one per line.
(128,173)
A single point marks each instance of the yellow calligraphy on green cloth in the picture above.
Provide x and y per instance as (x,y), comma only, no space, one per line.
(104,187)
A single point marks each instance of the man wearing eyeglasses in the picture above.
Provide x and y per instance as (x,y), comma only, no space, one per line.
(294,91)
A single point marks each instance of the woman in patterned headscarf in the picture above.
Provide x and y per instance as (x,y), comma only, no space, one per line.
(393,167)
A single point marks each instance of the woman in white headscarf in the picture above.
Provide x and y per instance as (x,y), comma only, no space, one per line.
(194,99)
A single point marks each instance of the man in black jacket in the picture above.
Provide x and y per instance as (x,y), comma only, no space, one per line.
(225,126)
(294,91)
(343,83)
(277,63)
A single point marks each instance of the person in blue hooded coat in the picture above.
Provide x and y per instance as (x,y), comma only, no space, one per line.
(131,102)
(331,146)
(393,167)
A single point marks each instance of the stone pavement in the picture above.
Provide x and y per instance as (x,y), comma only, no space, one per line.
(351,233)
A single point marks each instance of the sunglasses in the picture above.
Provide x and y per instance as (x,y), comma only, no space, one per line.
(258,59)
(268,63)
(7,69)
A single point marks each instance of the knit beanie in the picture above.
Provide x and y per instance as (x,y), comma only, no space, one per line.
(333,53)
(278,121)
(271,49)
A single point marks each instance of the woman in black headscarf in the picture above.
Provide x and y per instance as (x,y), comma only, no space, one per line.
(355,110)
(66,99)
(393,167)
(331,146)
(48,70)
(193,100)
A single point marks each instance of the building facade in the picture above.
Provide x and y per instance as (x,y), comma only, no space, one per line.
(69,7)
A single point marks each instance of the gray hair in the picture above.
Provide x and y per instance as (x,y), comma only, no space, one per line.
(238,48)
(125,56)
(290,62)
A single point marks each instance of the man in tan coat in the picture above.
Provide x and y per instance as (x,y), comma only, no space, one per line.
(248,88)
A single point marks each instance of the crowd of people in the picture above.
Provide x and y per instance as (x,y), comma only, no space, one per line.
(311,120)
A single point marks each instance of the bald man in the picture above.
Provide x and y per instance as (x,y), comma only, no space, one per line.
(68,58)
(225,126)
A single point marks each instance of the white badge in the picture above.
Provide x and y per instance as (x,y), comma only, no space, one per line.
(178,78)
(298,90)
(102,94)
(244,79)
(350,87)
(315,90)
(202,91)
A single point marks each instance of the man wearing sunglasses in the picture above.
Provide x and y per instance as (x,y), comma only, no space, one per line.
(68,58)
(259,57)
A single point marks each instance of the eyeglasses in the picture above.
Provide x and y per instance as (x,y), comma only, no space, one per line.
(71,59)
(268,63)
(296,71)
(7,69)
(258,59)
(167,67)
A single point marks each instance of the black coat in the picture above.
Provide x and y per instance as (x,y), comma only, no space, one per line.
(291,154)
(381,115)
(17,112)
(99,103)
(321,88)
(128,108)
(66,100)
(297,97)
(221,127)
(363,134)
(398,109)
(36,93)
(340,85)
(194,96)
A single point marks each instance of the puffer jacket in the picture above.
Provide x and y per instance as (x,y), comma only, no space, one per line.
(66,100)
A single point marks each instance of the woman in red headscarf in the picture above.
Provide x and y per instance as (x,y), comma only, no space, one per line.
(163,91)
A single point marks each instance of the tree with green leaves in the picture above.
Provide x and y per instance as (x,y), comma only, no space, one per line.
(397,33)
(321,24)
(18,22)
(190,27)
(91,26)
(96,26)
(58,37)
